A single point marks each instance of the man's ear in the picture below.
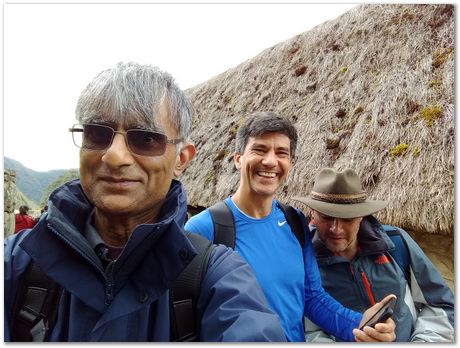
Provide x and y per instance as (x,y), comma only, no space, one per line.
(183,158)
(236,159)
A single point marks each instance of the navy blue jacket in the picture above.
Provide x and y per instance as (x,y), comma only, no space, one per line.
(130,301)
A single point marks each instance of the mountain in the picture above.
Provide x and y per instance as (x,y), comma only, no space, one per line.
(30,182)
(60,180)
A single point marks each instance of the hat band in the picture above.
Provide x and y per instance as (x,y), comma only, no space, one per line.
(339,198)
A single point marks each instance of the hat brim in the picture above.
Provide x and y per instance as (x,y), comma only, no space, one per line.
(343,211)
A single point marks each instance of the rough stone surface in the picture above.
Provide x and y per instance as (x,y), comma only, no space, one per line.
(9,203)
(440,250)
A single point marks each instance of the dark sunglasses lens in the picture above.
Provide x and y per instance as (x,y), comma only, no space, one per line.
(146,143)
(96,137)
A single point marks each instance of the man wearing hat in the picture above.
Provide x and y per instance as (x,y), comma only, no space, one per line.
(361,261)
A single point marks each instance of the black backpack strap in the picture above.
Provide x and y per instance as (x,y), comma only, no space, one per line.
(294,220)
(224,224)
(185,291)
(35,309)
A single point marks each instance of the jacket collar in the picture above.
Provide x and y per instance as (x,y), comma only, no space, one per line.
(70,204)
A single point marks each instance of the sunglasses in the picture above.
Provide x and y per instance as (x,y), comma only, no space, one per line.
(98,137)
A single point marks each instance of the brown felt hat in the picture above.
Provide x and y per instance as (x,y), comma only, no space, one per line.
(340,194)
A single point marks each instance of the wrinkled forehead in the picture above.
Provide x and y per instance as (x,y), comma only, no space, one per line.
(277,138)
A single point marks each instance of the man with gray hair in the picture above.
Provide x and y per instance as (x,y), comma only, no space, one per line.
(113,241)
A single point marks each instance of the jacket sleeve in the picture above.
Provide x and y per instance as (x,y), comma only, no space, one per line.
(314,334)
(320,307)
(15,262)
(432,298)
(232,305)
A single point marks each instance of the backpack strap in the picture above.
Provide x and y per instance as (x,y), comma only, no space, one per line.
(224,224)
(400,253)
(294,220)
(35,308)
(185,290)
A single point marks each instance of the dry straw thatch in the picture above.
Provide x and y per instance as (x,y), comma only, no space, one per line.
(372,89)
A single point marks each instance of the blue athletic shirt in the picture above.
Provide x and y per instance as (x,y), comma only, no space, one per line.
(277,259)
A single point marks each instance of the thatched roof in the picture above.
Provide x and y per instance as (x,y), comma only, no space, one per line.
(372,90)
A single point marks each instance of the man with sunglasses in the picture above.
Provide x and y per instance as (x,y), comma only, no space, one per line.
(114,241)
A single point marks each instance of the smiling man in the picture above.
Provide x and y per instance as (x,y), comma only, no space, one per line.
(284,266)
(113,242)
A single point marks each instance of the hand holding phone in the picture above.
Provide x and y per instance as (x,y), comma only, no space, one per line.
(385,312)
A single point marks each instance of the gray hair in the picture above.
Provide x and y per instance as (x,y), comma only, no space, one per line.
(131,92)
(259,123)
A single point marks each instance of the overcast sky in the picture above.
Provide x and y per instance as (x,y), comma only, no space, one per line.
(52,51)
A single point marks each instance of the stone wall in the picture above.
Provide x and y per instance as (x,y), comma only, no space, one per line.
(440,250)
(9,201)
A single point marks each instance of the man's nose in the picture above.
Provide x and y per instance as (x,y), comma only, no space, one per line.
(270,158)
(336,225)
(118,153)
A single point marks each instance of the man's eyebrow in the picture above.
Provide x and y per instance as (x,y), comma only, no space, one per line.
(140,126)
(144,126)
(255,144)
(287,148)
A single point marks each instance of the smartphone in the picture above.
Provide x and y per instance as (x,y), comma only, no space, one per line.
(382,314)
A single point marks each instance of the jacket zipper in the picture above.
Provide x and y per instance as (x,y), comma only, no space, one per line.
(109,284)
(367,287)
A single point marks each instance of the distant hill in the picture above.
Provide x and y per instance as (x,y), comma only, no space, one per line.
(30,182)
(67,176)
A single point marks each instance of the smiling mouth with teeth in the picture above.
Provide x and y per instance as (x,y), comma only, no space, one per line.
(267,174)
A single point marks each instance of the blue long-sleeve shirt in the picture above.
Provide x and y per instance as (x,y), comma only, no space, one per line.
(288,274)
